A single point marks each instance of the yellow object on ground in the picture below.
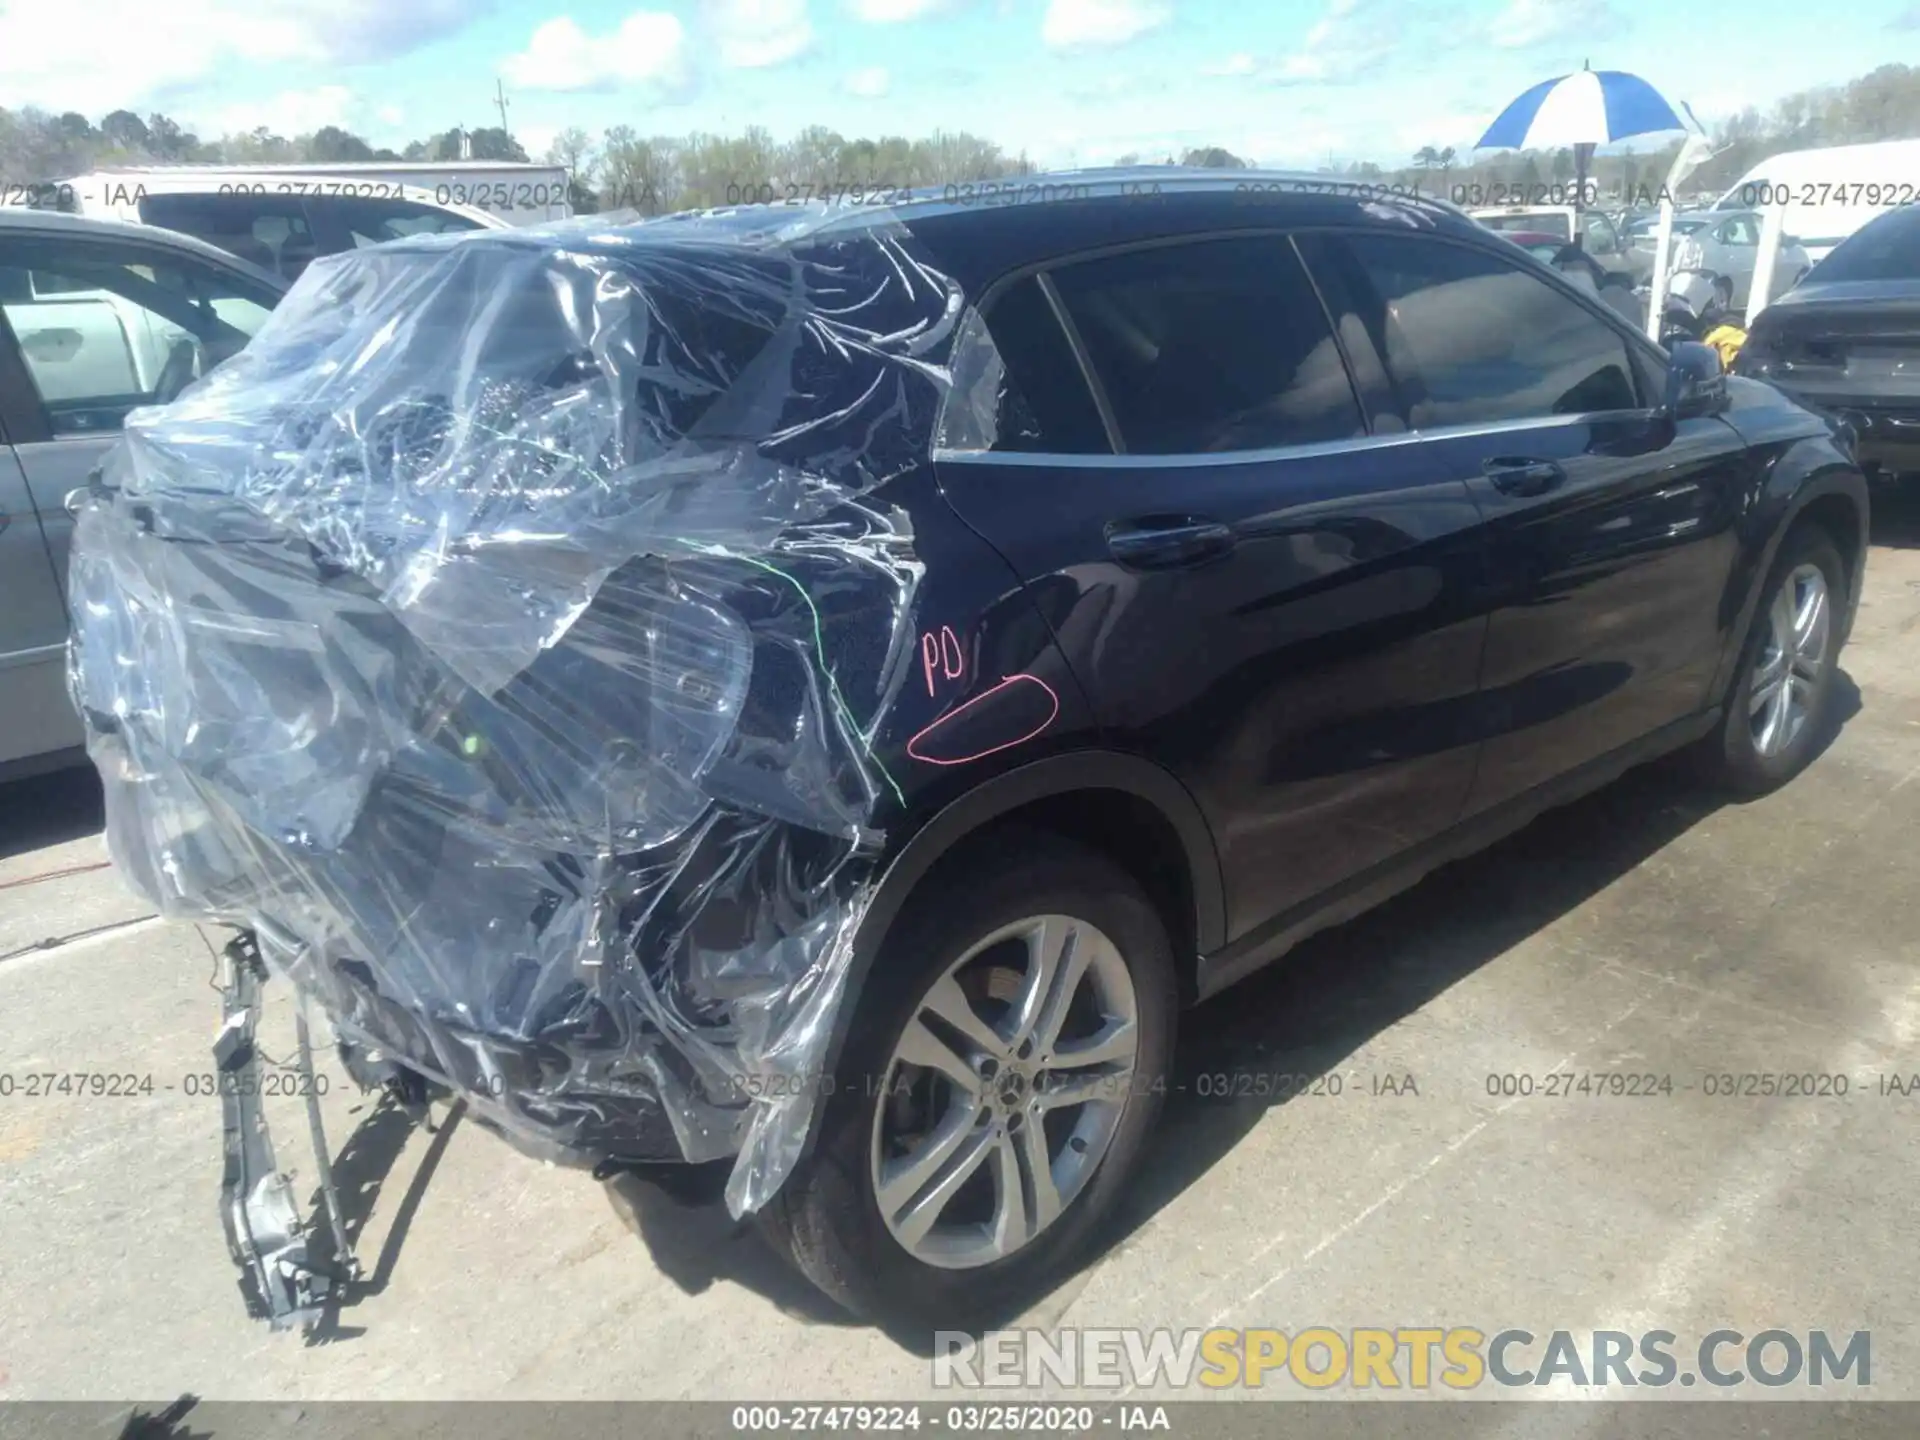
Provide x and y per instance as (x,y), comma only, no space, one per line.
(1727,339)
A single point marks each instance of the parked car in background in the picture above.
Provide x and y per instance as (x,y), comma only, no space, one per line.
(278,219)
(1598,237)
(1828,193)
(1644,230)
(95,319)
(1729,245)
(1366,540)
(1847,339)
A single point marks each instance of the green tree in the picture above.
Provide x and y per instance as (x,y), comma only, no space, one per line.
(330,143)
(1213,157)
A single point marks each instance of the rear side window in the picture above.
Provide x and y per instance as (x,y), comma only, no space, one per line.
(1472,339)
(1041,400)
(272,231)
(1211,347)
(1886,248)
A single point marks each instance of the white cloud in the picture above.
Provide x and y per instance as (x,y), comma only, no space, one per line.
(889,12)
(1536,22)
(648,48)
(1087,24)
(291,112)
(391,115)
(754,34)
(1351,38)
(1241,64)
(869,84)
(99,55)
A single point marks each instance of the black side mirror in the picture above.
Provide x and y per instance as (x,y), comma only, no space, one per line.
(1696,381)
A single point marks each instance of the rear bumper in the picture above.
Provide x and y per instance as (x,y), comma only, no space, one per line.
(1886,438)
(1886,431)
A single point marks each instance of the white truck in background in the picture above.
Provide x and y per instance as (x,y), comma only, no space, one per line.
(1824,195)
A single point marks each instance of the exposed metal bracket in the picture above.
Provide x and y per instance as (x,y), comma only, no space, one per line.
(281,1280)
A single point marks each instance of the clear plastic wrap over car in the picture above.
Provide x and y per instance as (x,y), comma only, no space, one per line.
(502,636)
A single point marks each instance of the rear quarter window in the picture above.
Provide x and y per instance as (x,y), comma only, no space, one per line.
(1886,248)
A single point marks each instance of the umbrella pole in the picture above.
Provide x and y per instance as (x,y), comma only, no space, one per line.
(1582,158)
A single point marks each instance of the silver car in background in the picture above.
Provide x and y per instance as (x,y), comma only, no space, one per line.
(1726,244)
(96,319)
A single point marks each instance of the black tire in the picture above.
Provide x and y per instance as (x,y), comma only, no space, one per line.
(826,1217)
(1730,757)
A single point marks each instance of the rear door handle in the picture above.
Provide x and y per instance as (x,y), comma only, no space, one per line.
(1164,542)
(1512,476)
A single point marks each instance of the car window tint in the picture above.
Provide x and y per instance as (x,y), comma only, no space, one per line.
(1741,230)
(1215,346)
(1031,383)
(1473,339)
(103,330)
(271,231)
(372,221)
(1885,248)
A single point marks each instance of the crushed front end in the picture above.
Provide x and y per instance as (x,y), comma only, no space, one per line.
(498,644)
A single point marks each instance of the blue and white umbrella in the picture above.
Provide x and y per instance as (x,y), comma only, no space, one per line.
(1592,108)
(1589,107)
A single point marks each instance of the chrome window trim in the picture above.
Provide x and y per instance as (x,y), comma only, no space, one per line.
(1286,452)
(1102,403)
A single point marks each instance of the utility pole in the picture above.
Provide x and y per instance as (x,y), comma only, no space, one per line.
(500,99)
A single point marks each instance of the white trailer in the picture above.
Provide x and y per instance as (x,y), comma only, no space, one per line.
(509,192)
(1823,196)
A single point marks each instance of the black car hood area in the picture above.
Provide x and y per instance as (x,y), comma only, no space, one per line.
(501,637)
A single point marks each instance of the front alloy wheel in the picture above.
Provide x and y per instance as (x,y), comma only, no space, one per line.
(1792,662)
(1004,1091)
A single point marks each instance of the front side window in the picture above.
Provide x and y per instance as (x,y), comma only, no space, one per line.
(1210,347)
(1741,230)
(1472,339)
(103,329)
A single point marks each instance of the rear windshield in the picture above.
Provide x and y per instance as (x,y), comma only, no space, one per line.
(1887,248)
(1550,222)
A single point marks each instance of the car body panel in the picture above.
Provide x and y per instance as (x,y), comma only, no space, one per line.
(1312,690)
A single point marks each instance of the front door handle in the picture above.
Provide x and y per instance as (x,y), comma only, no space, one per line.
(1163,542)
(1513,476)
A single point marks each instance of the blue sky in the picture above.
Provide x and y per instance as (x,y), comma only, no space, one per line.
(1290,82)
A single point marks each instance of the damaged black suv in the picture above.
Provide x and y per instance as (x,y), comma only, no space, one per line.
(818,689)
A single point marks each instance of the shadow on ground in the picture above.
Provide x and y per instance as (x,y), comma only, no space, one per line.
(1896,513)
(50,810)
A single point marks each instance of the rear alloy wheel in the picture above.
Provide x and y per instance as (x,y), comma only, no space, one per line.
(1778,706)
(1004,1092)
(1001,1074)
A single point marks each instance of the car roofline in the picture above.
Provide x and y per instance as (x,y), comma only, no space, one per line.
(55,224)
